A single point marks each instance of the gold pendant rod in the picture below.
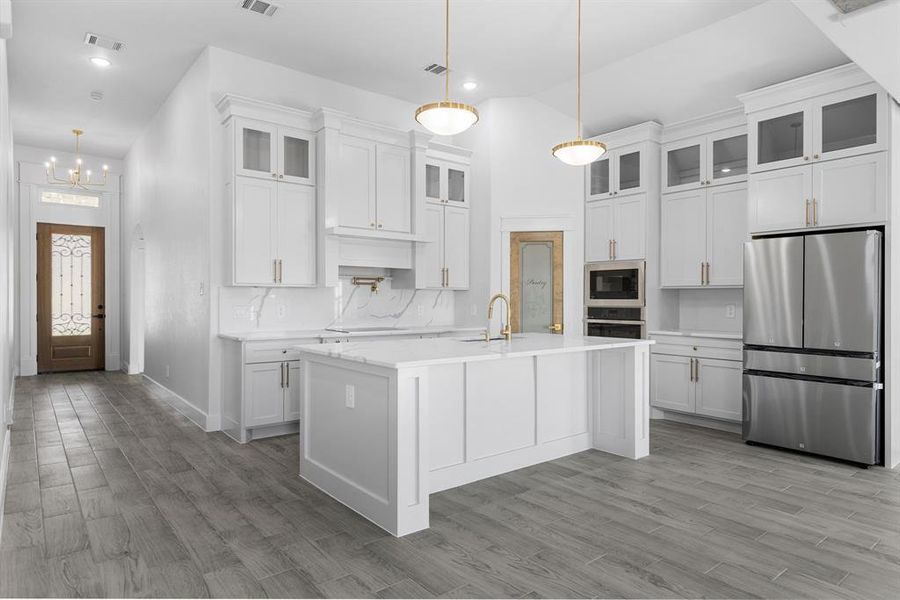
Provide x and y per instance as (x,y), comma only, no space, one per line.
(447,48)
(578,85)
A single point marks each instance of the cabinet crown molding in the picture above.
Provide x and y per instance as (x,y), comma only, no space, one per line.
(442,151)
(711,123)
(346,124)
(806,87)
(233,105)
(649,131)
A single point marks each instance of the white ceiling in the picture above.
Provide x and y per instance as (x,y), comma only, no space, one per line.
(663,59)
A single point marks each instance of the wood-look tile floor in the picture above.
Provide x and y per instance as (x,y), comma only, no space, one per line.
(113,493)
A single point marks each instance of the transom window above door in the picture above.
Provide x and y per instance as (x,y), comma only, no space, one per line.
(69,199)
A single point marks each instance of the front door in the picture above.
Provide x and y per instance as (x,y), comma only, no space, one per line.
(70,286)
(536,286)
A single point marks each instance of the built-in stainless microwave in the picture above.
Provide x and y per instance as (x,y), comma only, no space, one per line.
(614,283)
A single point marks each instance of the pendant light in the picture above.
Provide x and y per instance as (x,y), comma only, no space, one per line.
(579,152)
(446,117)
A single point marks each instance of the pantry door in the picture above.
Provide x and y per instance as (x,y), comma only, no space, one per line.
(536,286)
(70,295)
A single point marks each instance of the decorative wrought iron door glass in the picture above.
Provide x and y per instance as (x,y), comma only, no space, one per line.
(71,284)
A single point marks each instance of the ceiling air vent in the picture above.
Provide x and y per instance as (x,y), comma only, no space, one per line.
(435,69)
(92,39)
(848,6)
(260,7)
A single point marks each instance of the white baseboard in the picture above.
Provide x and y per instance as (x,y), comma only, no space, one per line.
(197,416)
(4,454)
(728,426)
(113,362)
(27,367)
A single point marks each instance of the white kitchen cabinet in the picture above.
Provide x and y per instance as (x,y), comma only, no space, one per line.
(274,233)
(264,388)
(718,158)
(620,172)
(850,191)
(616,229)
(270,151)
(697,375)
(374,182)
(845,191)
(843,123)
(718,388)
(292,390)
(671,382)
(446,182)
(443,262)
(702,234)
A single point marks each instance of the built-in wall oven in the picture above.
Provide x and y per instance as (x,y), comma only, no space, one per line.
(614,283)
(614,299)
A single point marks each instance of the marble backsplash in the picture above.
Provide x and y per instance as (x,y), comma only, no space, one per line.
(348,305)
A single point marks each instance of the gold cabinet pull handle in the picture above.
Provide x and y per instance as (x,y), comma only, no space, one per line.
(815,212)
(609,248)
(615,249)
(274,270)
(806,213)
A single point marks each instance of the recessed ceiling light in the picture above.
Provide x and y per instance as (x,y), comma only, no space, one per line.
(470,85)
(99,61)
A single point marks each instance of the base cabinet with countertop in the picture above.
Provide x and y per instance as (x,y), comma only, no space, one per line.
(697,375)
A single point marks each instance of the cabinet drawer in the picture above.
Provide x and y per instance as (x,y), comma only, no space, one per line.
(277,351)
(698,351)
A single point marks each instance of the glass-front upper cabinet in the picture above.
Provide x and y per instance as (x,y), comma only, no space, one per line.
(850,122)
(255,149)
(599,179)
(629,171)
(683,164)
(727,156)
(295,156)
(446,182)
(837,125)
(267,151)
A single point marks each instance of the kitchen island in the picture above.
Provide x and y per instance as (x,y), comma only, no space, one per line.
(385,424)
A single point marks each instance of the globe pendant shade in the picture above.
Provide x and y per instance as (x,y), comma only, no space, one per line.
(579,152)
(446,117)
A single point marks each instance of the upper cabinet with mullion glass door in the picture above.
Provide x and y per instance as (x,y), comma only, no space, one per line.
(727,156)
(620,172)
(718,158)
(446,182)
(270,151)
(599,178)
(296,156)
(683,164)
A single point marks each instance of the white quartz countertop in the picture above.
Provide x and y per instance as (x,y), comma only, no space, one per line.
(707,334)
(438,351)
(264,336)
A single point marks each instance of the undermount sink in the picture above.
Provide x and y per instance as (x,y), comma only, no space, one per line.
(363,329)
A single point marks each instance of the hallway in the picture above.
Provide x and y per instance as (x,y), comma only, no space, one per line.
(113,493)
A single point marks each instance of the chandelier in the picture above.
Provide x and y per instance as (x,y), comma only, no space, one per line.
(579,152)
(446,117)
(77,177)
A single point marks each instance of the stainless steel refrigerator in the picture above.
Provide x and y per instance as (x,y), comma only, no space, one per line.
(812,344)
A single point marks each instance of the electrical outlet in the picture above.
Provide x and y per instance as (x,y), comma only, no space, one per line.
(420,310)
(282,311)
(730,311)
(241,313)
(350,396)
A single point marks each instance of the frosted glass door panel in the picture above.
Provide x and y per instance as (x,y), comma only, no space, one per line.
(433,182)
(456,185)
(296,157)
(70,285)
(600,177)
(729,157)
(683,166)
(629,171)
(256,150)
(780,138)
(850,123)
(536,286)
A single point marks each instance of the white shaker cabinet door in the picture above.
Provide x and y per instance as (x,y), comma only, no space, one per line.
(780,199)
(296,234)
(255,231)
(726,218)
(430,256)
(683,238)
(357,183)
(263,394)
(850,190)
(719,388)
(671,387)
(629,228)
(292,391)
(598,234)
(456,247)
(392,185)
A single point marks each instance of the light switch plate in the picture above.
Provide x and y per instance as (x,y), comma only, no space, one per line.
(350,396)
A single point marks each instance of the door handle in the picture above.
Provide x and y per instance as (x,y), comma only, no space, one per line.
(282,375)
(287,375)
(99,316)
(691,370)
(555,328)
(696,370)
